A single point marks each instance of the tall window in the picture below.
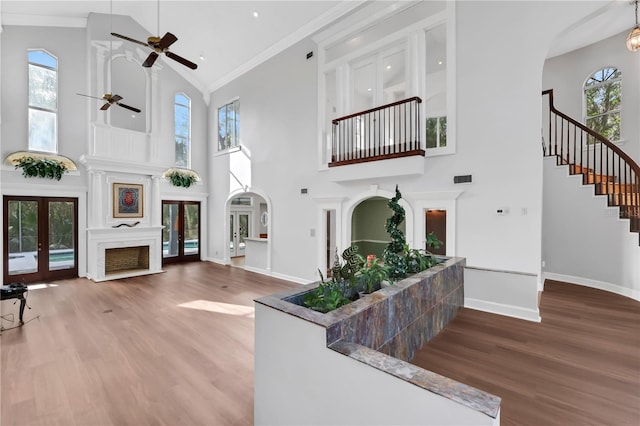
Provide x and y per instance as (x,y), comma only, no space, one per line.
(229,125)
(436,87)
(602,93)
(182,122)
(43,101)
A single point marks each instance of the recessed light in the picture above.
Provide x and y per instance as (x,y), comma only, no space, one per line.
(369,89)
(201,57)
(388,67)
(255,14)
(439,62)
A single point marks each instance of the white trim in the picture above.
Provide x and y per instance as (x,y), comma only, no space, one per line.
(501,309)
(43,20)
(296,280)
(305,31)
(600,285)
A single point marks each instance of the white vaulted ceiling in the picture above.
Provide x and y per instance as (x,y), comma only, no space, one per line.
(226,33)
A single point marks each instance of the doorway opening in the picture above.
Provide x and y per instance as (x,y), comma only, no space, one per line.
(368,226)
(181,233)
(436,222)
(41,238)
(248,232)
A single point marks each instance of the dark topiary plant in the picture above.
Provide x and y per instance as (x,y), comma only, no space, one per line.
(394,254)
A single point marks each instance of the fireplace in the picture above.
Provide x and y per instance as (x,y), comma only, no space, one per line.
(126,259)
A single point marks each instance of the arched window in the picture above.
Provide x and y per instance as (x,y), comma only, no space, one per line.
(43,101)
(602,94)
(182,121)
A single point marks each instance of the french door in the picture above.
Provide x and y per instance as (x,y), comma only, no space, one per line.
(41,238)
(239,223)
(181,233)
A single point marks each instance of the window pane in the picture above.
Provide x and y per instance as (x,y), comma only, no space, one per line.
(182,123)
(222,128)
(393,71)
(42,130)
(605,74)
(603,98)
(236,114)
(363,87)
(43,87)
(42,58)
(608,125)
(436,87)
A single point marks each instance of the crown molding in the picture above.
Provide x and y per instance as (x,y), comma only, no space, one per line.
(43,20)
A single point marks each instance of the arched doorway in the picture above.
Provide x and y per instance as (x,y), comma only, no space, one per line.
(247,229)
(368,222)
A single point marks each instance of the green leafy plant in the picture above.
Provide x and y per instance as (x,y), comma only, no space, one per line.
(41,167)
(373,274)
(181,178)
(327,297)
(433,241)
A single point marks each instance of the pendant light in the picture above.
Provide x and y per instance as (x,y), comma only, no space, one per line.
(633,39)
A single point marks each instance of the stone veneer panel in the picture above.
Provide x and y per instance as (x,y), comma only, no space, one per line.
(385,328)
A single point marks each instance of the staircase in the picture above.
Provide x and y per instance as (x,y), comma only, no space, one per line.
(601,163)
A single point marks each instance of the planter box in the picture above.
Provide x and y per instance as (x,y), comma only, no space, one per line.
(382,329)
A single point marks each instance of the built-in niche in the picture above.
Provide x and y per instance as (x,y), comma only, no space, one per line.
(129,81)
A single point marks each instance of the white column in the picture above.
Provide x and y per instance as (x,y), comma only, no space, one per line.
(155,206)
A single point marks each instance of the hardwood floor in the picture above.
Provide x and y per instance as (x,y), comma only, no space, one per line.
(580,366)
(125,353)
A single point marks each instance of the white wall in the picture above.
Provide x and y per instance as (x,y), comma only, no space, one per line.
(566,75)
(75,57)
(583,240)
(299,381)
(499,84)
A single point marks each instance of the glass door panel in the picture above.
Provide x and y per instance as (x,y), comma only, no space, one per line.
(181,233)
(170,234)
(41,238)
(22,235)
(191,229)
(62,250)
(239,230)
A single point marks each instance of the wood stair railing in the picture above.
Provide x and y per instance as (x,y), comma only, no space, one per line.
(601,163)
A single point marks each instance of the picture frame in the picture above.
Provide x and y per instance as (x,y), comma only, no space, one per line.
(128,200)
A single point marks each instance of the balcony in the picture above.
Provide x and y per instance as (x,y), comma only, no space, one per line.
(386,132)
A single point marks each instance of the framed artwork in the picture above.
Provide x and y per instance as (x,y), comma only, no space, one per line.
(128,200)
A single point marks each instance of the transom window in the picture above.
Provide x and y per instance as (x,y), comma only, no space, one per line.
(602,96)
(182,122)
(229,125)
(43,101)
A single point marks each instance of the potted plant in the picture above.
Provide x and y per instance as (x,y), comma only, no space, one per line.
(41,167)
(181,177)
(373,274)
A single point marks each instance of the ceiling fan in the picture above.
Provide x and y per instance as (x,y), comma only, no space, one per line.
(110,100)
(159,45)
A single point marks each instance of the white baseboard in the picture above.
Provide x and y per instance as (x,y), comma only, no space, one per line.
(214,260)
(502,309)
(290,278)
(600,285)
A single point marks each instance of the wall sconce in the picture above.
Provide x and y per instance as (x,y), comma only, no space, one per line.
(633,39)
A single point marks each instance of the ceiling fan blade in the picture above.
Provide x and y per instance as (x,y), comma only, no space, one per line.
(130,39)
(182,60)
(116,98)
(105,107)
(150,59)
(89,96)
(129,107)
(167,40)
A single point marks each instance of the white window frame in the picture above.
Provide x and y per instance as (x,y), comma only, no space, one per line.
(414,39)
(597,85)
(236,142)
(30,107)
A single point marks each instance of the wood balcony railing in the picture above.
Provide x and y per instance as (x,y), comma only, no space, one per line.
(388,131)
(600,162)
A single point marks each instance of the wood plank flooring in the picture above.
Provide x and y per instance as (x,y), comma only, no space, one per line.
(579,366)
(125,353)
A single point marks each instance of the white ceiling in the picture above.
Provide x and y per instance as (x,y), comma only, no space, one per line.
(232,40)
(225,33)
